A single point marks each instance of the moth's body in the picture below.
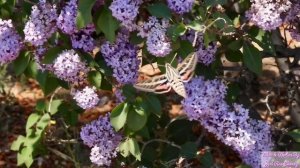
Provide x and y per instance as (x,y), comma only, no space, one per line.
(173,79)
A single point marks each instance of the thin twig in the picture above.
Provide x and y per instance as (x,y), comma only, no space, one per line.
(52,96)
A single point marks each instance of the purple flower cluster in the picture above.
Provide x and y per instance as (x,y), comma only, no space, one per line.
(122,57)
(41,24)
(101,137)
(82,39)
(66,21)
(68,66)
(232,126)
(86,98)
(206,55)
(267,14)
(119,95)
(125,11)
(181,6)
(157,41)
(10,42)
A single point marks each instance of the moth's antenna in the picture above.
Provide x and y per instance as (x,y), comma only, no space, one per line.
(173,58)
(213,22)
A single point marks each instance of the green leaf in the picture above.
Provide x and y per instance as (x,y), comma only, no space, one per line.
(176,30)
(209,37)
(207,160)
(235,45)
(51,55)
(243,166)
(295,134)
(232,92)
(124,148)
(189,150)
(40,105)
(252,58)
(196,25)
(95,78)
(153,103)
(54,106)
(118,116)
(159,10)
(134,148)
(234,56)
(185,48)
(214,2)
(32,120)
(84,13)
(180,131)
(31,70)
(21,63)
(129,92)
(43,122)
(25,156)
(15,146)
(107,24)
(137,118)
(47,83)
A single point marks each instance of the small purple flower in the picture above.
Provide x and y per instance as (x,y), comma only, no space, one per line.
(102,138)
(122,57)
(268,14)
(66,21)
(68,66)
(10,42)
(181,6)
(205,103)
(157,41)
(86,98)
(41,24)
(125,11)
(82,39)
(119,95)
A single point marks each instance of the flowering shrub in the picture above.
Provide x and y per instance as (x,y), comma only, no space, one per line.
(91,46)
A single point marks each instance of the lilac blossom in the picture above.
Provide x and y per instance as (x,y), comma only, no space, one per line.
(82,39)
(68,66)
(205,54)
(119,96)
(122,58)
(157,41)
(125,11)
(10,42)
(66,21)
(232,126)
(267,14)
(41,24)
(102,138)
(86,98)
(181,6)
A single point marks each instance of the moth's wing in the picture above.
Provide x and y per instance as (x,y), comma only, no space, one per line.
(157,84)
(187,66)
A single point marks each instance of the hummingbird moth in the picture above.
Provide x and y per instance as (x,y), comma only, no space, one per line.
(172,79)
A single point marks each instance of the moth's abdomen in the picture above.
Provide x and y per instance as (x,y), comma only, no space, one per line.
(178,87)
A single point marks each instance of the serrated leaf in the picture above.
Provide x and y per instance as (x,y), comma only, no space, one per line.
(84,13)
(107,24)
(159,10)
(15,146)
(252,58)
(21,63)
(95,78)
(134,148)
(118,116)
